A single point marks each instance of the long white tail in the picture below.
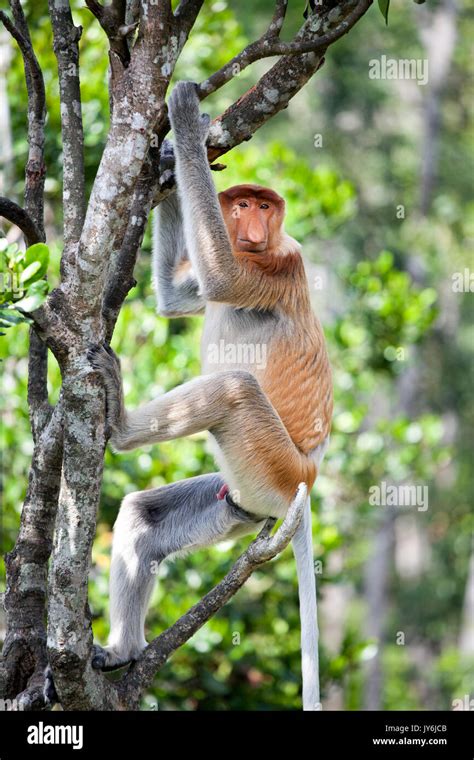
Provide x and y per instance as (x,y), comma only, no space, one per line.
(303,550)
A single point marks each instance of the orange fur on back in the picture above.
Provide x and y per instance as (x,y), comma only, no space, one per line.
(298,382)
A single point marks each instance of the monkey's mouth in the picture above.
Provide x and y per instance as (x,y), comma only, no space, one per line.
(249,247)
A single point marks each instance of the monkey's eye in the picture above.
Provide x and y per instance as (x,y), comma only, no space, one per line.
(243,204)
(264,205)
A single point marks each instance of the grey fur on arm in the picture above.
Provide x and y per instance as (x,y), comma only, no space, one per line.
(177,291)
(205,232)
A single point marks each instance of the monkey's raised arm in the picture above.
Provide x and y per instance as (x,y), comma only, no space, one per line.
(221,276)
(176,284)
(205,232)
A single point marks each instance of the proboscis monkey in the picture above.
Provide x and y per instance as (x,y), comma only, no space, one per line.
(265,394)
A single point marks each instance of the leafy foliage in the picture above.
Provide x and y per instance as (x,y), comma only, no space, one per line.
(22,281)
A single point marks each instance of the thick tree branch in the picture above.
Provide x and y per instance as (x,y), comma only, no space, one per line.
(261,550)
(309,39)
(69,632)
(66,38)
(138,105)
(139,108)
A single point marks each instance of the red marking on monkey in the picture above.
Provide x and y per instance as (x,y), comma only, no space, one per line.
(222,493)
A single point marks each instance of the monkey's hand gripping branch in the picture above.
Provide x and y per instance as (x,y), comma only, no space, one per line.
(264,548)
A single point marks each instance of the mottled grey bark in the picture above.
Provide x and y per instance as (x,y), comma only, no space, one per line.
(66,38)
(100,249)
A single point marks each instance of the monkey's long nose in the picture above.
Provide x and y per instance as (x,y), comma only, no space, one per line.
(256,232)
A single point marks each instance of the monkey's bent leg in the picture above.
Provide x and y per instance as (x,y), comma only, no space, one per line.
(151,526)
(259,459)
(255,453)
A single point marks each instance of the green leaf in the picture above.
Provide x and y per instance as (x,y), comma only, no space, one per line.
(35,296)
(38,253)
(30,272)
(10,317)
(384,5)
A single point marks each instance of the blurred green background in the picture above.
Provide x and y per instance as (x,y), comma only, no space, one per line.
(377,176)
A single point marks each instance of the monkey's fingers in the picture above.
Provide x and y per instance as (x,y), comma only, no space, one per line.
(183,109)
(204,126)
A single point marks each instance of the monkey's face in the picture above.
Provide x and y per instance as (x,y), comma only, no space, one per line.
(253,216)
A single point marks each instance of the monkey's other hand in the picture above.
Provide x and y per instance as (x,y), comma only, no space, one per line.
(189,125)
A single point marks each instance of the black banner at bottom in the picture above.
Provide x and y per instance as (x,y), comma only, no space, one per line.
(372,734)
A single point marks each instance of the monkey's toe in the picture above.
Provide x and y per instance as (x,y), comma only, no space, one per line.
(94,352)
(102,357)
(104,660)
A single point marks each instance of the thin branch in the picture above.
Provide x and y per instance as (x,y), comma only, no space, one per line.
(31,219)
(186,14)
(18,216)
(66,38)
(261,550)
(276,23)
(307,42)
(35,167)
(24,652)
(112,19)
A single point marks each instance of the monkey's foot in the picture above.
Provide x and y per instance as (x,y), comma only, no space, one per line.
(104,658)
(103,358)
